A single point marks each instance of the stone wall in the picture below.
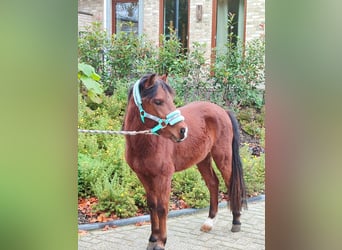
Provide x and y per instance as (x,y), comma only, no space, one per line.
(200,31)
(92,7)
(255,19)
(84,19)
(151,20)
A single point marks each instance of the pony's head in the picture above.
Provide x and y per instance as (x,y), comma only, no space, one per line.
(154,99)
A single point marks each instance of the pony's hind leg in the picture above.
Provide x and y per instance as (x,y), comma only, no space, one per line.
(211,180)
(236,227)
(229,165)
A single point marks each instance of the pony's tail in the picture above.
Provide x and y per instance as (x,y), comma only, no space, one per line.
(237,189)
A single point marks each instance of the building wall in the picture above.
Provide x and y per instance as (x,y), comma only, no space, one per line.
(94,7)
(84,20)
(200,31)
(255,19)
(151,20)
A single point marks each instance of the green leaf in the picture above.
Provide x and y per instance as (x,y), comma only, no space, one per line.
(91,84)
(93,97)
(87,69)
(96,77)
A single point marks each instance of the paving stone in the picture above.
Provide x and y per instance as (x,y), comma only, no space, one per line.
(184,233)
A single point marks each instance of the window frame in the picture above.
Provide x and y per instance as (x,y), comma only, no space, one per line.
(214,25)
(161,21)
(114,2)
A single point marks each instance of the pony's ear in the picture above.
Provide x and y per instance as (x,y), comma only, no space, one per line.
(164,77)
(150,81)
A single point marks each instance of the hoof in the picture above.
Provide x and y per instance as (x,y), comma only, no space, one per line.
(236,228)
(205,228)
(154,246)
(208,224)
(158,248)
(151,245)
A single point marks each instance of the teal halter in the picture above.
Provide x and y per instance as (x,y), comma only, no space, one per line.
(171,119)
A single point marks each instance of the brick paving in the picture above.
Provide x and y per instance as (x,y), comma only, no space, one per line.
(184,233)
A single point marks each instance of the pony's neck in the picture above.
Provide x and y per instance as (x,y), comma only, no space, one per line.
(133,121)
(138,144)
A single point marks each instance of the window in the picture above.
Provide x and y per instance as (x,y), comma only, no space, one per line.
(223,8)
(175,16)
(125,16)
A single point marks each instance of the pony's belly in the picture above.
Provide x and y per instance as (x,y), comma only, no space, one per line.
(190,157)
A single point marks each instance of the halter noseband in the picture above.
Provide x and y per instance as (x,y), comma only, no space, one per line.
(171,119)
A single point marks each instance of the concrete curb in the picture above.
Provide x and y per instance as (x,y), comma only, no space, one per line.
(146,218)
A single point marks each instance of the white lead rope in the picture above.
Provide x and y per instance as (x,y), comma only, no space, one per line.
(111,132)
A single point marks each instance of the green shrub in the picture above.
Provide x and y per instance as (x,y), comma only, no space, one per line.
(92,47)
(189,186)
(254,170)
(114,197)
(239,71)
(87,175)
(252,121)
(171,56)
(90,88)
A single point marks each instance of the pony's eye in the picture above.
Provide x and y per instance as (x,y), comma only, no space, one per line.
(158,102)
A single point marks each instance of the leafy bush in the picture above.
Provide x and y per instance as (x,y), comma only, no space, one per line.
(114,196)
(189,186)
(240,70)
(87,174)
(92,47)
(252,121)
(90,88)
(254,170)
(171,56)
(195,83)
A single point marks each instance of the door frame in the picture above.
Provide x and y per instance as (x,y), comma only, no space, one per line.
(214,27)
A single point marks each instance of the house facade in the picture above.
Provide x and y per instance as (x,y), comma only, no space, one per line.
(203,21)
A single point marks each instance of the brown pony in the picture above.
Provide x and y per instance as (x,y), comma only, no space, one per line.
(200,132)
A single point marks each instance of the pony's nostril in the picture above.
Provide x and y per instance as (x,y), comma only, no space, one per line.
(182,131)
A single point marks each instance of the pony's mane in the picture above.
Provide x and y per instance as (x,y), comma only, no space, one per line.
(150,92)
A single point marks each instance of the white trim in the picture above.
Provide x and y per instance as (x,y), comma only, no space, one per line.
(141,17)
(107,17)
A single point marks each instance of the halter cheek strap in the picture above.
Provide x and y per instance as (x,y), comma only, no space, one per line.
(171,119)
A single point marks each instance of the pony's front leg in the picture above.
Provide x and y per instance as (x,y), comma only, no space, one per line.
(158,236)
(158,201)
(151,202)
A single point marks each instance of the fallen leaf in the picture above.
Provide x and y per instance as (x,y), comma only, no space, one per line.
(139,224)
(82,232)
(93,220)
